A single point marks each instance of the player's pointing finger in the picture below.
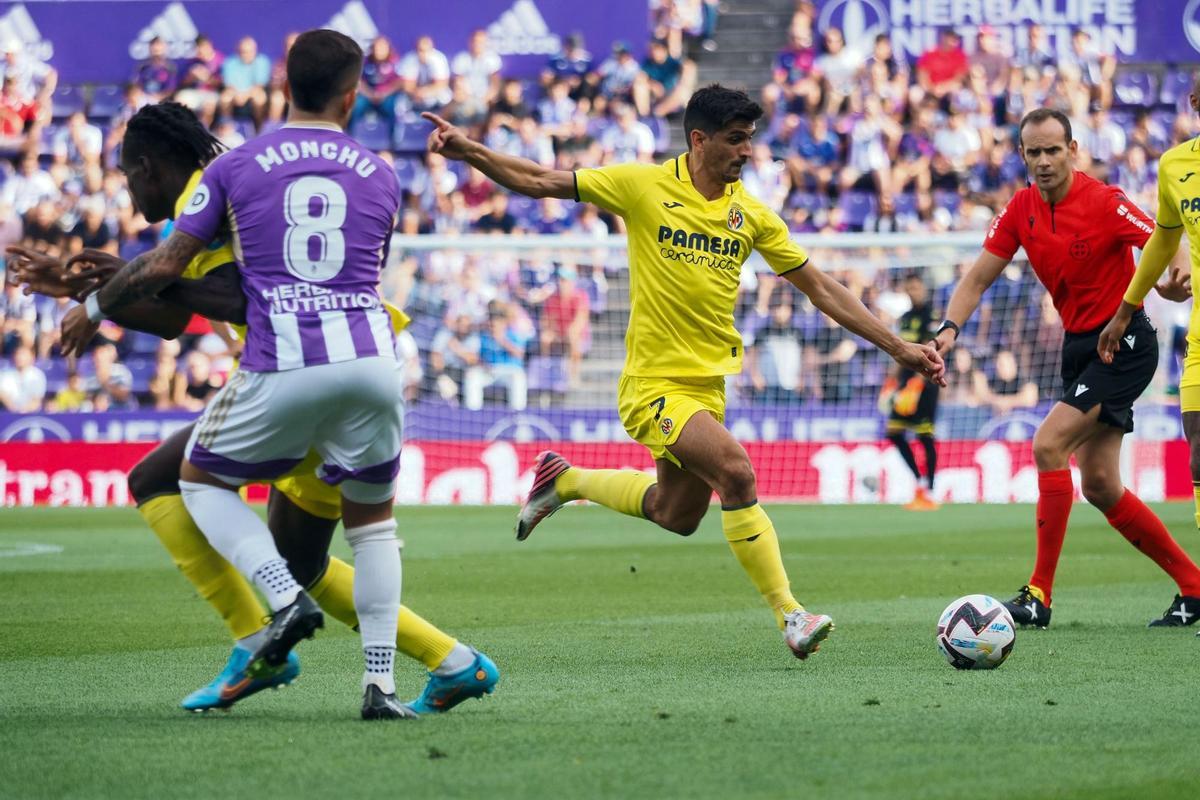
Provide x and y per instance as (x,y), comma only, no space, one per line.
(436,120)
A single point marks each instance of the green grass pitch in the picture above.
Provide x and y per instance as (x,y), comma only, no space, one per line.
(635,664)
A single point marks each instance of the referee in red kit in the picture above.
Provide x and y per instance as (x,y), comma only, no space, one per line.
(1079,235)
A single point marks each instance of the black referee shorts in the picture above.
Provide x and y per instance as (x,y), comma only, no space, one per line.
(921,420)
(1088,381)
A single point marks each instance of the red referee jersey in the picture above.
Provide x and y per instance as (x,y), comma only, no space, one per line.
(1080,248)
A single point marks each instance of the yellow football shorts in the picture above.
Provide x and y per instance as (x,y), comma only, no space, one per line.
(654,410)
(1189,382)
(306,490)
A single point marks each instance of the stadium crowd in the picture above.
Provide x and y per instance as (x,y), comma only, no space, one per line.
(851,141)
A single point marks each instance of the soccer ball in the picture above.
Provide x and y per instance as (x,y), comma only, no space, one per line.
(976,632)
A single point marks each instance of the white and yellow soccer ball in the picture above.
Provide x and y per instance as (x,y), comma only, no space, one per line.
(976,632)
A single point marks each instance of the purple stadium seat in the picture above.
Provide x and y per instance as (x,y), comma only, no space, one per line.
(522,208)
(142,370)
(1176,86)
(106,102)
(947,200)
(1134,88)
(66,100)
(662,132)
(407,170)
(905,203)
(372,133)
(547,374)
(144,343)
(411,134)
(858,206)
(806,200)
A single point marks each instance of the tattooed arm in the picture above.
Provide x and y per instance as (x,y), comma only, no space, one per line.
(141,278)
(149,273)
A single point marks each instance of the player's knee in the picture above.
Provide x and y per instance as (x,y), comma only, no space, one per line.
(146,480)
(684,524)
(1102,489)
(1047,452)
(737,484)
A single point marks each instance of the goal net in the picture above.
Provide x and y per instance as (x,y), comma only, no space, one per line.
(516,345)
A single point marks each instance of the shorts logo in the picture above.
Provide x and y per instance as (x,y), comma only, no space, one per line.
(1129,340)
(737,218)
(1080,389)
(1080,249)
(199,200)
(666,426)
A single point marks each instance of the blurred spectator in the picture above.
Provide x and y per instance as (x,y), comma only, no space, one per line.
(18,114)
(1133,173)
(1005,391)
(556,109)
(510,107)
(455,348)
(276,100)
(162,385)
(91,231)
(479,66)
(71,398)
(957,148)
(618,73)
(200,85)
(766,179)
(198,384)
(381,83)
(995,63)
(35,79)
(964,382)
(426,75)
(550,216)
(501,361)
(464,109)
(228,134)
(868,165)
(573,65)
(827,362)
(472,295)
(29,186)
(1104,139)
(1096,68)
(817,151)
(793,79)
(773,352)
(628,140)
(42,229)
(566,327)
(18,314)
(78,143)
(157,75)
(1036,52)
(533,143)
(246,78)
(1148,134)
(23,385)
(498,219)
(408,358)
(941,70)
(119,390)
(837,67)
(666,82)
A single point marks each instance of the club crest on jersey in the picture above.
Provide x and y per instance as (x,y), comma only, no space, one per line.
(737,218)
(666,426)
(1080,249)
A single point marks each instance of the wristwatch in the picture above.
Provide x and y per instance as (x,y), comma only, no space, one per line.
(947,324)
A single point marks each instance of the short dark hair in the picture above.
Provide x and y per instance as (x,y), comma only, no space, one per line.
(1040,115)
(321,66)
(715,107)
(172,133)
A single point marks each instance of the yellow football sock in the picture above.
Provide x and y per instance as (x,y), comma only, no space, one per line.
(752,538)
(415,637)
(1196,492)
(213,577)
(619,489)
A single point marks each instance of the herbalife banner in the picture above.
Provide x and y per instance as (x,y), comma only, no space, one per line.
(1151,31)
(100,41)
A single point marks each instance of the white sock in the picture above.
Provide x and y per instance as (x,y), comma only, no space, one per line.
(252,641)
(377,597)
(237,533)
(277,584)
(380,661)
(457,660)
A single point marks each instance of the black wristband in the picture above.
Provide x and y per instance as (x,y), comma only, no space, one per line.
(947,324)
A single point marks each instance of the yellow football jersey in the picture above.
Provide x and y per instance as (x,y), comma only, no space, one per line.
(685,262)
(1179,202)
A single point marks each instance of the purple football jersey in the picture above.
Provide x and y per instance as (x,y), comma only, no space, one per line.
(310,214)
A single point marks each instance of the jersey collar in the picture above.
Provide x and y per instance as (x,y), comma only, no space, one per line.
(187,192)
(680,165)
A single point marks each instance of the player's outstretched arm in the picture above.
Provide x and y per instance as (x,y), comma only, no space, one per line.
(516,174)
(1159,250)
(847,310)
(967,294)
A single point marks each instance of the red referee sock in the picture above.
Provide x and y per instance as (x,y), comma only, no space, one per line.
(1055,495)
(1146,532)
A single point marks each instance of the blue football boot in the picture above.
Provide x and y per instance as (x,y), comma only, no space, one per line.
(444,692)
(233,684)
